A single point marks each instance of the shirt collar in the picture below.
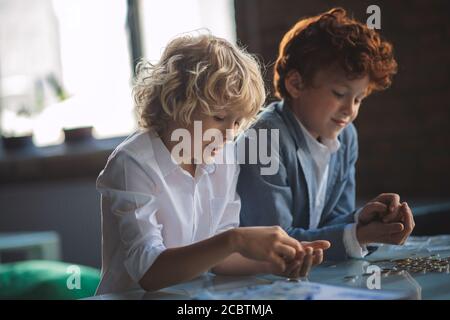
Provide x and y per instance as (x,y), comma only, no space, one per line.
(327,146)
(166,162)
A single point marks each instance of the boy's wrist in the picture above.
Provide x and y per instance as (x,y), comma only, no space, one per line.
(264,268)
(361,234)
(234,239)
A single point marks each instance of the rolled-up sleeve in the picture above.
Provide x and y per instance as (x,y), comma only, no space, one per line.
(129,195)
(230,217)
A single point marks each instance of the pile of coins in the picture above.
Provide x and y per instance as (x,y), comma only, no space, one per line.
(413,265)
(421,264)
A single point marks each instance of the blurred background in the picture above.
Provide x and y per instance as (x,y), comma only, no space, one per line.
(66,69)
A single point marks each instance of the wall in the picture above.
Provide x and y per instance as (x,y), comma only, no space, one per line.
(404,132)
(71,208)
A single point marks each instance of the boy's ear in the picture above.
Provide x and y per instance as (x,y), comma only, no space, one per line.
(293,83)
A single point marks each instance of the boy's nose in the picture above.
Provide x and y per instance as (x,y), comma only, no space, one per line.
(349,108)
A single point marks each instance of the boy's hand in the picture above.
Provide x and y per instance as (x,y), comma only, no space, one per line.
(385,207)
(387,232)
(313,255)
(406,217)
(271,244)
(378,232)
(385,220)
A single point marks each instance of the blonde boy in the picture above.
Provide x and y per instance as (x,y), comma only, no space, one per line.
(169,217)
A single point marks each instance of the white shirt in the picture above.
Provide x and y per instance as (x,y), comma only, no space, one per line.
(321,155)
(149,203)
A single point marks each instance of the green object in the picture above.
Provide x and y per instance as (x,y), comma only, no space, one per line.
(57,87)
(47,280)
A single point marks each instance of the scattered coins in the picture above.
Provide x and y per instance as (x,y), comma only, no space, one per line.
(432,263)
(413,264)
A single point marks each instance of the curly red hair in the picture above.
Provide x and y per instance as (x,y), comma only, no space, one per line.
(334,38)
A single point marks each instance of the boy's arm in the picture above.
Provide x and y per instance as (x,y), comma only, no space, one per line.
(270,245)
(236,264)
(128,194)
(194,259)
(268,200)
(344,209)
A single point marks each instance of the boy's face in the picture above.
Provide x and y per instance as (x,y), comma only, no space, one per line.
(225,123)
(329,104)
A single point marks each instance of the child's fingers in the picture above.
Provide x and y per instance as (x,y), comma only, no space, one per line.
(373,210)
(392,216)
(318,244)
(390,199)
(408,218)
(277,262)
(296,272)
(291,269)
(394,227)
(386,232)
(292,243)
(307,262)
(318,257)
(395,203)
(378,206)
(287,252)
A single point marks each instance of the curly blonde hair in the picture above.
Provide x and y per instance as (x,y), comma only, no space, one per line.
(197,72)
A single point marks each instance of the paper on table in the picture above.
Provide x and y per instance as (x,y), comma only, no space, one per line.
(284,290)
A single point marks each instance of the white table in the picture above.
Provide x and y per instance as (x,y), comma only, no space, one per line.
(348,273)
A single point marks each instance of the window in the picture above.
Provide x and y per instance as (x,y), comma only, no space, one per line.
(78,46)
(29,53)
(163,20)
(66,64)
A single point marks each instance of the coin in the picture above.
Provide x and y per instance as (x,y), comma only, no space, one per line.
(432,263)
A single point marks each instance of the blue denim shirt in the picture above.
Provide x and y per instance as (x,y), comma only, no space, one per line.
(285,198)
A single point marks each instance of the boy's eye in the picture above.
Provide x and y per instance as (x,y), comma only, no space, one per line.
(237,123)
(217,118)
(338,94)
